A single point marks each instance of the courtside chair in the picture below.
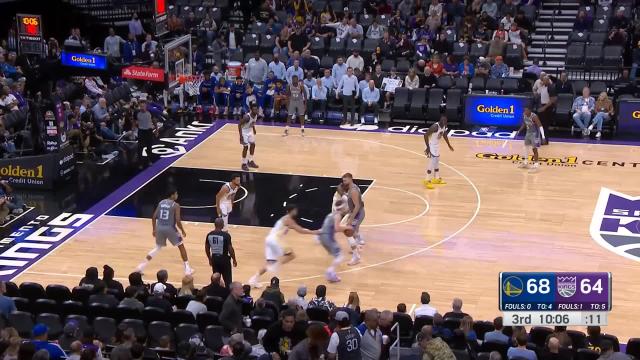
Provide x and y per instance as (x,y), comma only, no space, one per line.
(158,329)
(538,335)
(105,329)
(32,291)
(207,318)
(58,293)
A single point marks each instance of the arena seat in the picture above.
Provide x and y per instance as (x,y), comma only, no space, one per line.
(318,314)
(460,50)
(125,312)
(577,86)
(22,304)
(482,356)
(477,84)
(58,293)
(317,47)
(403,65)
(387,64)
(578,339)
(587,354)
(538,335)
(151,314)
(32,291)
(597,87)
(418,102)
(577,36)
(405,323)
(44,306)
(589,10)
(477,50)
(318,5)
(158,329)
(451,323)
(384,19)
(633,347)
(98,309)
(326,62)
(268,43)
(138,328)
(353,45)
(575,54)
(12,290)
(337,6)
(214,303)
(72,307)
(105,329)
(369,47)
(461,354)
(22,322)
(53,323)
(603,12)
(510,85)
(529,11)
(494,85)
(434,104)
(213,337)
(612,55)
(80,294)
(597,38)
(177,317)
(462,83)
(400,103)
(185,331)
(513,56)
(488,347)
(355,7)
(453,105)
(250,336)
(614,340)
(182,301)
(600,26)
(482,327)
(365,20)
(593,55)
(445,82)
(83,321)
(337,47)
(261,322)
(207,318)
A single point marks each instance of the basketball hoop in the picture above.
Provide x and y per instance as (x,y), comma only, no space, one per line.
(191,83)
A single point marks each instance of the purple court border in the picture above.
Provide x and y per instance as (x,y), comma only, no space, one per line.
(130,187)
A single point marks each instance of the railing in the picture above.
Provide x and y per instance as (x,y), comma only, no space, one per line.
(396,343)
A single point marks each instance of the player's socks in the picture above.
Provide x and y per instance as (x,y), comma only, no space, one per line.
(302,130)
(188,270)
(286,130)
(244,160)
(355,257)
(141,266)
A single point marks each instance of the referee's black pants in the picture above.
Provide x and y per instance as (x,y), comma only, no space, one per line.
(145,140)
(222,265)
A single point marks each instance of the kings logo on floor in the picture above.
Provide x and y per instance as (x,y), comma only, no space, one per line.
(615,224)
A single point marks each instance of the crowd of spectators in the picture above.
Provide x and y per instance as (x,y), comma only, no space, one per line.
(269,327)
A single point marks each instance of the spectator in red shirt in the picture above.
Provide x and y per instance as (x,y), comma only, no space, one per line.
(436,66)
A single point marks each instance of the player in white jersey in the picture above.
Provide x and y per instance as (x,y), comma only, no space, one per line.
(247,130)
(225,197)
(432,138)
(276,253)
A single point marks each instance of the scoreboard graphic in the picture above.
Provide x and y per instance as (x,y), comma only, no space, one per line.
(555,298)
(30,34)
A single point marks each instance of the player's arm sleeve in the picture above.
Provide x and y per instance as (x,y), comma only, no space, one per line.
(333,343)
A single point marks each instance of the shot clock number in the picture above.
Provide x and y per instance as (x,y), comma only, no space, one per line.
(30,21)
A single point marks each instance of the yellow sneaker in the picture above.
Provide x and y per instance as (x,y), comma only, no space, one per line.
(428,184)
(438,181)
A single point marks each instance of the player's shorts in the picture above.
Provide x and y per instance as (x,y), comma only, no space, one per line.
(296,107)
(163,234)
(225,208)
(273,251)
(248,137)
(434,150)
(329,243)
(532,139)
(357,220)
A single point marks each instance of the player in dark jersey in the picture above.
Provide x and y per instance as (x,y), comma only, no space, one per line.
(297,103)
(220,252)
(344,343)
(165,222)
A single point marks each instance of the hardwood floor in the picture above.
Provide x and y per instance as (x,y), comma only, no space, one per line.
(452,241)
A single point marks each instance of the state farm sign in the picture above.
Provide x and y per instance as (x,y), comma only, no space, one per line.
(143,73)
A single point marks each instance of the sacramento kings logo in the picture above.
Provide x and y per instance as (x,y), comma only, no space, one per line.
(566,286)
(615,224)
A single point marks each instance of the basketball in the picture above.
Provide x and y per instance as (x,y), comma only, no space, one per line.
(348,232)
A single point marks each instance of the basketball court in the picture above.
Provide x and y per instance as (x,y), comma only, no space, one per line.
(452,241)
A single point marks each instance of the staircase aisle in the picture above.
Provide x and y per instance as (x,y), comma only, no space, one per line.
(550,38)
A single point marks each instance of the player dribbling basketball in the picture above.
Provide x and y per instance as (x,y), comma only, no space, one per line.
(247,130)
(276,253)
(327,236)
(432,138)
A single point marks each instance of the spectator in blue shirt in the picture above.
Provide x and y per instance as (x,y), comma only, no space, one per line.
(294,69)
(370,99)
(40,341)
(278,67)
(329,82)
(521,351)
(7,305)
(238,89)
(497,336)
(130,49)
(338,70)
(466,68)
(318,99)
(582,108)
(499,69)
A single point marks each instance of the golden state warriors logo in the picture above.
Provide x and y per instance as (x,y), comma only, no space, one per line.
(512,286)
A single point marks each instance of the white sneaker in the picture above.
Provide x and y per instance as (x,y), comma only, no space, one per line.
(332,277)
(534,168)
(590,127)
(598,135)
(354,261)
(189,270)
(18,211)
(523,165)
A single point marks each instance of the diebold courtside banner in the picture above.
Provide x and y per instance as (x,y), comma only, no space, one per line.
(143,73)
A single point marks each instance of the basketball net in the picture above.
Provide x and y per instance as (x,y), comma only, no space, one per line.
(191,83)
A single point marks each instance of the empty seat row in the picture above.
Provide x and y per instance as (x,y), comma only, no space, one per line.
(588,37)
(512,53)
(594,54)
